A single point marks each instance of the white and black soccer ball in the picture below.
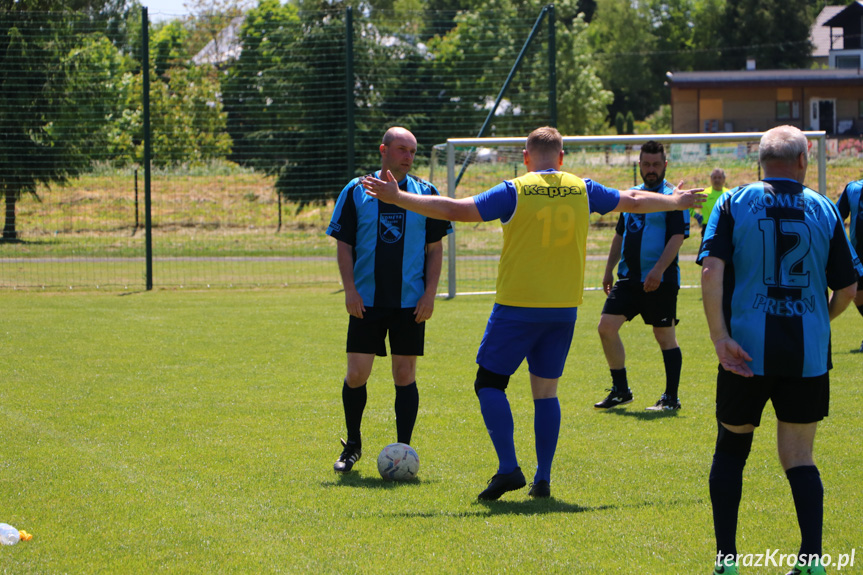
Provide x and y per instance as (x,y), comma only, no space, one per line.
(398,462)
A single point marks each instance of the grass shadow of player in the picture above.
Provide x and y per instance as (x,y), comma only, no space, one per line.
(537,506)
(368,481)
(645,415)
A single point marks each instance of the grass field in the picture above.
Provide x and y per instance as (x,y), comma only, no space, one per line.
(194,432)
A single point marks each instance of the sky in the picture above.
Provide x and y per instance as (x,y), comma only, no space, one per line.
(164,9)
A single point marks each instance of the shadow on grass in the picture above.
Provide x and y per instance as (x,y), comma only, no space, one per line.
(537,507)
(18,241)
(644,415)
(368,482)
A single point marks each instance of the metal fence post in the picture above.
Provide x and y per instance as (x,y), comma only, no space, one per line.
(552,68)
(349,86)
(145,99)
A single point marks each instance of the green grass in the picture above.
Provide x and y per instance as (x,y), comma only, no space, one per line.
(194,432)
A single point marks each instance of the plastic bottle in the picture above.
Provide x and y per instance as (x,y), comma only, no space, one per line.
(8,534)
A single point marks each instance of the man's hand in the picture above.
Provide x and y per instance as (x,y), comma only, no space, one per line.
(733,357)
(354,303)
(690,198)
(386,191)
(607,282)
(425,308)
(652,280)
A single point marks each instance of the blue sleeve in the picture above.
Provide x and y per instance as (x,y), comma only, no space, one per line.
(677,222)
(839,273)
(718,234)
(601,199)
(844,204)
(343,224)
(620,228)
(497,203)
(436,230)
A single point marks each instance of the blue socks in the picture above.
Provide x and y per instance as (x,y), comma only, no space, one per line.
(497,416)
(546,428)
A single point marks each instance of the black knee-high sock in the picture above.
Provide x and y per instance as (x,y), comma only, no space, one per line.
(407,406)
(354,402)
(673,362)
(808,492)
(726,487)
(618,380)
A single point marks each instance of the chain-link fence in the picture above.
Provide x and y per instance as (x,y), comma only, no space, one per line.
(249,138)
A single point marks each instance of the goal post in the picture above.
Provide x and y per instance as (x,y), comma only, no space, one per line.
(476,164)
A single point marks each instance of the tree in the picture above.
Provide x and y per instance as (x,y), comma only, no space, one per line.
(707,26)
(773,32)
(286,101)
(582,100)
(259,87)
(58,92)
(625,49)
(207,19)
(487,42)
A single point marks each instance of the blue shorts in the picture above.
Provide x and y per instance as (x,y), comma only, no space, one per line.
(508,342)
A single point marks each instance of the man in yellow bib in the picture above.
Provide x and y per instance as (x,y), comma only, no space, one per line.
(539,286)
(717,188)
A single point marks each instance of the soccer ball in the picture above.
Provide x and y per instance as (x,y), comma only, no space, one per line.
(398,462)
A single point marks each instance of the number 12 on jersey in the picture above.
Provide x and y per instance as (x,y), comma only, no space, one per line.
(785,269)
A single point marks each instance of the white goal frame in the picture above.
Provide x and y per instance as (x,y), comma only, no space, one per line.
(724,137)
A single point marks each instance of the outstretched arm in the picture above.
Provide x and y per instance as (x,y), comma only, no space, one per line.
(645,202)
(732,357)
(438,207)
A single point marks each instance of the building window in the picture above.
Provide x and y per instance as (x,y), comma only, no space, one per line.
(852,62)
(788,110)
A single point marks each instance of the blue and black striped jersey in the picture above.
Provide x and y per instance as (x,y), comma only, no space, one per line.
(783,246)
(850,204)
(645,237)
(389,243)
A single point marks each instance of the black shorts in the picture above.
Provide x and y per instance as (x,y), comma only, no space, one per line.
(740,400)
(368,335)
(657,308)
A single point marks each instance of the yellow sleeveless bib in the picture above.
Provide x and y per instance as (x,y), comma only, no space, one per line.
(542,261)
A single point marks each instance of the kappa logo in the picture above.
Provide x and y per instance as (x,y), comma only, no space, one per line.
(391,228)
(634,222)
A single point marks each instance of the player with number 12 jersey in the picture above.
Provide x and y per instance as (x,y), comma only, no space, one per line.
(777,237)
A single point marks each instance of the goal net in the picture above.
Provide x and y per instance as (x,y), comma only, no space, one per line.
(467,166)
